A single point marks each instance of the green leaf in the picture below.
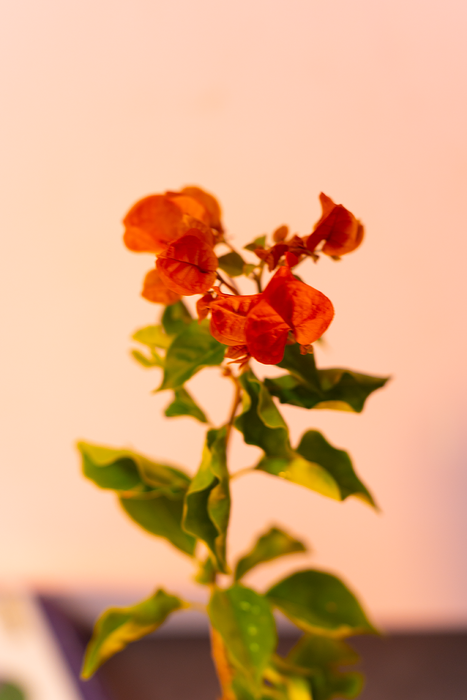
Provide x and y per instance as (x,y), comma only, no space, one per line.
(153,337)
(246,624)
(309,387)
(154,360)
(262,424)
(302,472)
(175,318)
(10,691)
(232,263)
(130,473)
(151,493)
(207,502)
(259,242)
(206,574)
(117,627)
(322,657)
(162,517)
(193,349)
(316,449)
(260,421)
(248,269)
(184,405)
(273,544)
(320,603)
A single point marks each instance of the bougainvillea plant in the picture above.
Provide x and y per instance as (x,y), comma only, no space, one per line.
(276,325)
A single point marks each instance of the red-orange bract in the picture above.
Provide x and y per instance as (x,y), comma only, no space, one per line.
(288,309)
(338,227)
(155,221)
(228,317)
(287,305)
(156,291)
(188,265)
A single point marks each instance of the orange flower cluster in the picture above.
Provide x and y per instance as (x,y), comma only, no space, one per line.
(338,228)
(260,325)
(182,229)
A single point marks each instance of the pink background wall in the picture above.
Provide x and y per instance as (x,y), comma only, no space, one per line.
(265,104)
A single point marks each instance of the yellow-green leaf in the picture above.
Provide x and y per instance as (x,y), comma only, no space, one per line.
(302,472)
(147,361)
(117,627)
(153,337)
(273,544)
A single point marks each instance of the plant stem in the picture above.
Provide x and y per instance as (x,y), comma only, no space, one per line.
(218,651)
(258,276)
(232,286)
(236,402)
(223,668)
(242,472)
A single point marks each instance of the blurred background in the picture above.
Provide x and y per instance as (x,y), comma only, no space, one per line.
(265,104)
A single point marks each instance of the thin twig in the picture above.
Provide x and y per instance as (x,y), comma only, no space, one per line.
(242,472)
(258,276)
(236,401)
(230,286)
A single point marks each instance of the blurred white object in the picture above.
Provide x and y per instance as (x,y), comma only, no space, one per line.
(28,652)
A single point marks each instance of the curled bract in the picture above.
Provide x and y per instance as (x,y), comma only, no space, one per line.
(338,228)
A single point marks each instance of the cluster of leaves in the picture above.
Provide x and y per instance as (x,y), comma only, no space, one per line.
(193,512)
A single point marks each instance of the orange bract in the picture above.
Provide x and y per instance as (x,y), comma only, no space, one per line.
(188,265)
(338,227)
(210,204)
(287,305)
(287,311)
(155,221)
(228,317)
(156,291)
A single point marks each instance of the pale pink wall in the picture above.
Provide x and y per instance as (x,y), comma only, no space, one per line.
(266,104)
